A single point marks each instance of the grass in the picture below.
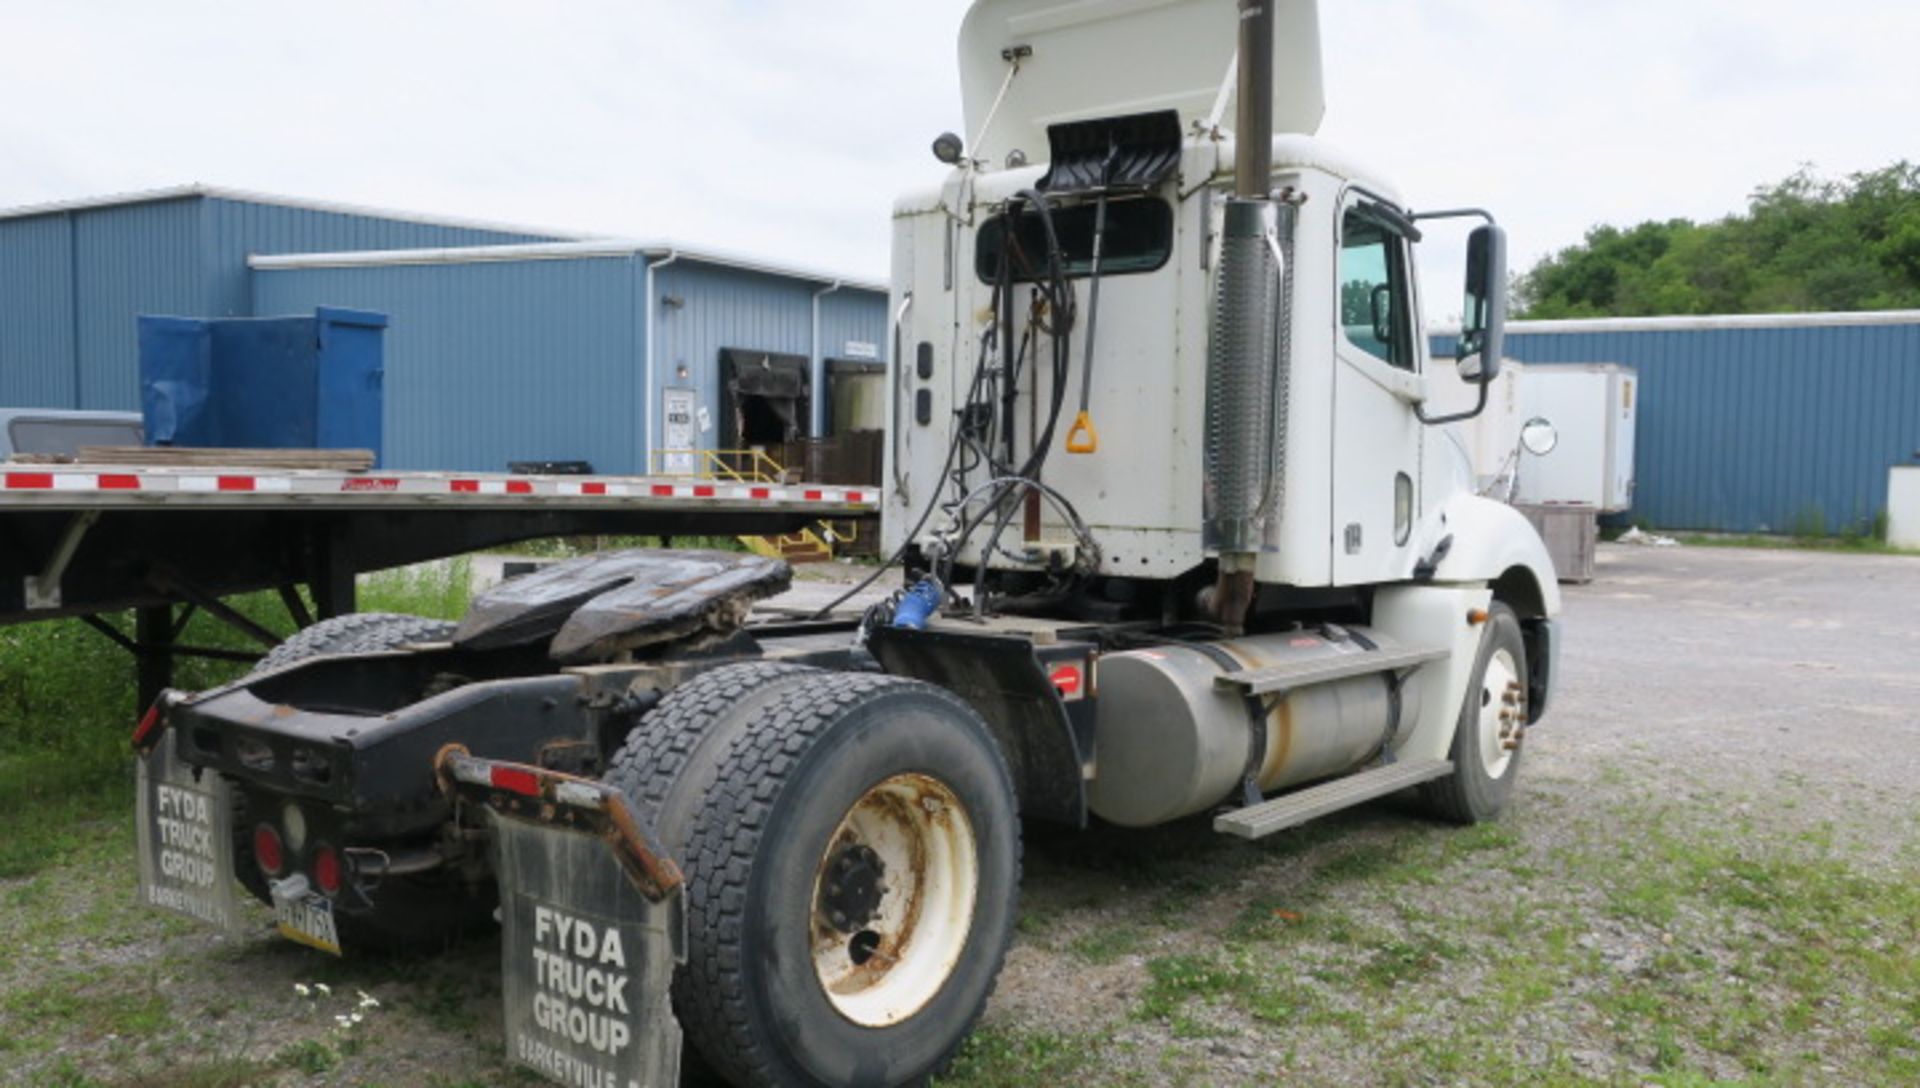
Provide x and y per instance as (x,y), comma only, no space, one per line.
(1666,944)
(85,1008)
(993,1058)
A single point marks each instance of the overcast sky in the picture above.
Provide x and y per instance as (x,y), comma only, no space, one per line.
(783,128)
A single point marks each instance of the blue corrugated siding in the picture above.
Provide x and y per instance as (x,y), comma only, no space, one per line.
(495,362)
(1758,429)
(854,317)
(36,313)
(545,360)
(235,229)
(71,283)
(129,260)
(732,308)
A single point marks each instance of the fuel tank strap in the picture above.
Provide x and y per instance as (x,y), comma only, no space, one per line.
(1256,722)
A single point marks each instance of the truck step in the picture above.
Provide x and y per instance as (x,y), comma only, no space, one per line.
(1321,670)
(1293,809)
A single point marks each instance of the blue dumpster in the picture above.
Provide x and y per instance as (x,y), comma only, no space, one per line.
(263,382)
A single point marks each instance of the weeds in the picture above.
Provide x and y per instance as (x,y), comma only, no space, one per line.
(1003,1059)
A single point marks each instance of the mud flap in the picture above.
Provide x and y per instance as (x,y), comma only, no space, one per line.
(185,830)
(592,922)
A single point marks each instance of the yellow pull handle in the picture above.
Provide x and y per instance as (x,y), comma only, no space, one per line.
(1081,437)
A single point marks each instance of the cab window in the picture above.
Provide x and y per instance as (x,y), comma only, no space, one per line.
(1139,238)
(1374,295)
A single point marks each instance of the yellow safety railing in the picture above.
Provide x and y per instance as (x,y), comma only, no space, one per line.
(746,466)
(754,466)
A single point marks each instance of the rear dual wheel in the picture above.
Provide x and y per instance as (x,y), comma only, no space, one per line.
(851,848)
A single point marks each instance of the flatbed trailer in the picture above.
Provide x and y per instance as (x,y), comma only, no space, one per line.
(80,540)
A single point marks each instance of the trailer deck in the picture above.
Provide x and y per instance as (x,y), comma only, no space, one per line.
(79,540)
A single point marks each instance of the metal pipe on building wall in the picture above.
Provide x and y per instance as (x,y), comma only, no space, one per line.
(650,414)
(817,367)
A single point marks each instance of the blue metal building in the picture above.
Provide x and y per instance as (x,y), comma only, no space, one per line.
(553,352)
(73,276)
(1758,423)
(504,344)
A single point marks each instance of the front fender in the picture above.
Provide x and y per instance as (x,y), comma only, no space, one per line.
(1495,544)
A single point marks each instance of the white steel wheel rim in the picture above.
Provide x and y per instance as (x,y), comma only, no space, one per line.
(1503,712)
(896,958)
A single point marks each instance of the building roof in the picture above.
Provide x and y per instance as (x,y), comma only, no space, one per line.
(660,250)
(1687,322)
(571,244)
(185,192)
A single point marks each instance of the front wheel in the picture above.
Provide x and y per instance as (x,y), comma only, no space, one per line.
(852,883)
(1493,720)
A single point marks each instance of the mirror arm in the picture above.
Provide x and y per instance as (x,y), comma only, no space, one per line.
(1478,407)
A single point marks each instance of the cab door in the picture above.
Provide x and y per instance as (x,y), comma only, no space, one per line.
(1377,382)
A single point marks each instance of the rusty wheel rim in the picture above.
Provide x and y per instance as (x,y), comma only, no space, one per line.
(893,900)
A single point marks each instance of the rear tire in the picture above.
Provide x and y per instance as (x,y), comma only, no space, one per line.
(355,633)
(811,795)
(1492,716)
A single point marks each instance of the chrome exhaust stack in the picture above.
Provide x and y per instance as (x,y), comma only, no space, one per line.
(1246,382)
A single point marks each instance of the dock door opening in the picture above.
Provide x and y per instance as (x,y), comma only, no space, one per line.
(768,398)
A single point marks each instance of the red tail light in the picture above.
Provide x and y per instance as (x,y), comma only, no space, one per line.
(149,725)
(1068,680)
(268,852)
(326,870)
(515,780)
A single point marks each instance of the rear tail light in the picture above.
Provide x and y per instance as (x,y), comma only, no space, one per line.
(515,780)
(268,852)
(327,870)
(148,728)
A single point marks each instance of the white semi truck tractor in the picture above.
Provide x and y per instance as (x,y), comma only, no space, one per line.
(1182,539)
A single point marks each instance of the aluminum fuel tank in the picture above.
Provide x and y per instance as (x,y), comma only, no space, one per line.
(1172,742)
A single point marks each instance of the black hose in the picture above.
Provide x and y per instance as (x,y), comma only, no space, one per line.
(1061,303)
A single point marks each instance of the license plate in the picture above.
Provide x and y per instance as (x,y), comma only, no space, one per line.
(308,919)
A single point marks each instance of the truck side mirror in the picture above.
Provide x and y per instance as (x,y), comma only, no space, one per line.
(1381,305)
(1483,317)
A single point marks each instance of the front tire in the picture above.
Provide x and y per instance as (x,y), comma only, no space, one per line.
(852,881)
(1493,719)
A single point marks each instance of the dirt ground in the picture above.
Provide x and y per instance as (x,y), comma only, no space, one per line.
(1711,874)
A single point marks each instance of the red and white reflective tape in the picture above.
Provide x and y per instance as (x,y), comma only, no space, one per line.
(70,481)
(320,484)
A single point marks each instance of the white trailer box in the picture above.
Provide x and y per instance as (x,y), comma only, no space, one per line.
(1592,406)
(1491,439)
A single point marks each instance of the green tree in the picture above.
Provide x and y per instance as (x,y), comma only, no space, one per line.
(1805,243)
